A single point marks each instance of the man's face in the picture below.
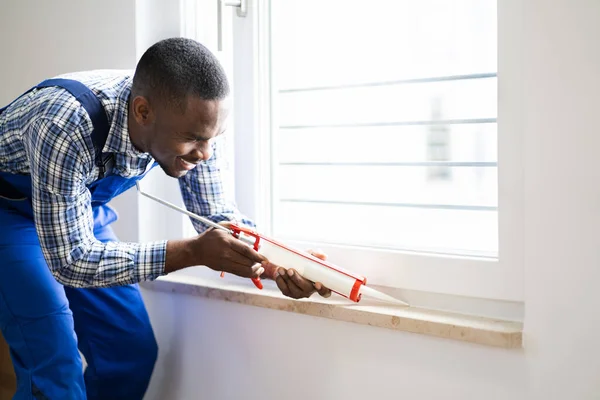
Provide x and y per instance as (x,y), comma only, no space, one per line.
(179,141)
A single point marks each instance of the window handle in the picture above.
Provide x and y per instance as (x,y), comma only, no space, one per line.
(241,10)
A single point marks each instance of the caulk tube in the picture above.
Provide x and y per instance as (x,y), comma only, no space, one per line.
(342,282)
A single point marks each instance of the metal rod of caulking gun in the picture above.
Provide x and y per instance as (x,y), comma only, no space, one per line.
(205,221)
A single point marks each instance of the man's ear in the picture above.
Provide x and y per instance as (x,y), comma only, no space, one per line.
(142,111)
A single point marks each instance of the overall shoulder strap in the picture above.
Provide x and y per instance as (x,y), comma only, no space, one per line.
(93,106)
(97,114)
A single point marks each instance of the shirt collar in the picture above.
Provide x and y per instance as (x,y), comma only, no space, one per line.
(118,140)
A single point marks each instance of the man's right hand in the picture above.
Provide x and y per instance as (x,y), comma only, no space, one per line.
(217,250)
(220,251)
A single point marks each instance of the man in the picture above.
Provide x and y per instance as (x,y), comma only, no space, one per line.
(67,147)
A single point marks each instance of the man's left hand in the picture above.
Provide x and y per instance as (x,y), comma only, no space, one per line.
(294,285)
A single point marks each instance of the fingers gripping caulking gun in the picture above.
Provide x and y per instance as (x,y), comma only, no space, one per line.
(340,281)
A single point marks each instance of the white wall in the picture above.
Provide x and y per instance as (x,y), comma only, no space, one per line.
(43,38)
(562,197)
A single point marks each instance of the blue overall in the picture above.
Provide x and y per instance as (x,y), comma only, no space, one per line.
(45,323)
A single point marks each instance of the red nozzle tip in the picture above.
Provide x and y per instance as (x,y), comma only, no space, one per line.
(257,283)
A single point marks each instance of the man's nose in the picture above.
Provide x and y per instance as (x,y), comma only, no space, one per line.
(203,151)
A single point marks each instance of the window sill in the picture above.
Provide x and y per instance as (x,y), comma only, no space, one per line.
(479,330)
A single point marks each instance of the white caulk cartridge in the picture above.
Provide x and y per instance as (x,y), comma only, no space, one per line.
(340,281)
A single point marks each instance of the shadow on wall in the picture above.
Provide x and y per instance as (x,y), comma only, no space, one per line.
(169,369)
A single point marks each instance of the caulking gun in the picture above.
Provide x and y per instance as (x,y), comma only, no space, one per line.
(345,283)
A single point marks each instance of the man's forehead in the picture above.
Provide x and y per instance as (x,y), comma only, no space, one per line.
(202,118)
(199,107)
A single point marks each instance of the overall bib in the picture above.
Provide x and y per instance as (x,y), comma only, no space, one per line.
(44,323)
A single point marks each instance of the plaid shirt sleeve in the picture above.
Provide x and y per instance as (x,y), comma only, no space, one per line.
(60,163)
(204,193)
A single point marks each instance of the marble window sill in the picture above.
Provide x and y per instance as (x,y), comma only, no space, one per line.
(479,330)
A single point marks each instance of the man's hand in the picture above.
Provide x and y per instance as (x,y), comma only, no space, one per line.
(217,250)
(292,284)
(220,251)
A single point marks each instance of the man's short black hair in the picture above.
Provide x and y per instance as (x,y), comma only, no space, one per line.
(173,69)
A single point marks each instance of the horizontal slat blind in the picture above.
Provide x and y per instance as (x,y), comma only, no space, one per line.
(385,128)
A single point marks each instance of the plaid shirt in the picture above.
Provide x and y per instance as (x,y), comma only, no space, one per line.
(47,134)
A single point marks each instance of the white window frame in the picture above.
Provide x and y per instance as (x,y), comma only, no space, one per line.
(497,279)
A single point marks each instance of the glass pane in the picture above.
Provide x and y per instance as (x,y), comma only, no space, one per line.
(332,42)
(449,100)
(384,116)
(467,142)
(459,186)
(444,231)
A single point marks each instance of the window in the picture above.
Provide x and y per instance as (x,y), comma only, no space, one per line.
(375,131)
(378,122)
